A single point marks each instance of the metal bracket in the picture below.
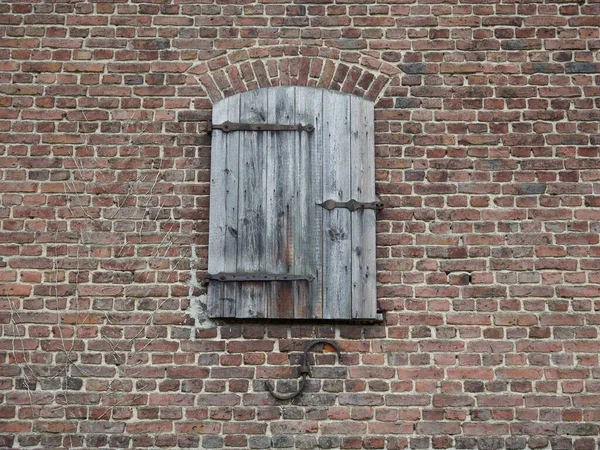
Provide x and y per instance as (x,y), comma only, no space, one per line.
(304,370)
(352,205)
(228,126)
(225,276)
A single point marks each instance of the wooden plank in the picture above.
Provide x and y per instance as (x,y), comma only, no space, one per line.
(222,249)
(232,208)
(308,229)
(280,201)
(362,177)
(251,224)
(337,233)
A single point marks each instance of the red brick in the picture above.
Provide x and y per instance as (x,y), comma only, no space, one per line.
(487,160)
(524,373)
(473,373)
(301,427)
(187,372)
(485,429)
(441,400)
(437,428)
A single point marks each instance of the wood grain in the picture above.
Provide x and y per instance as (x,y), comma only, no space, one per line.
(337,232)
(281,178)
(223,236)
(362,178)
(251,221)
(309,191)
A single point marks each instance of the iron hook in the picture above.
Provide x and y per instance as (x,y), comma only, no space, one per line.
(304,369)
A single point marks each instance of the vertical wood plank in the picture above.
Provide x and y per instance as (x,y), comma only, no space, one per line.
(251,225)
(280,201)
(309,191)
(362,176)
(223,209)
(337,232)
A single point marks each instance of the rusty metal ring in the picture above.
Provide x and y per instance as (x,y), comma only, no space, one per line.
(304,369)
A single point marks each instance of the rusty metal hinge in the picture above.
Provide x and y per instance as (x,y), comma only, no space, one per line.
(226,127)
(229,276)
(352,205)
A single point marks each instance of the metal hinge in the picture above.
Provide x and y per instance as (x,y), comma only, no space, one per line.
(226,127)
(225,276)
(352,205)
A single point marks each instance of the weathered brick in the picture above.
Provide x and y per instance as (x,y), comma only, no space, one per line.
(487,161)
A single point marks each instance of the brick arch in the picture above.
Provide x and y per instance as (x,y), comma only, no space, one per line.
(247,70)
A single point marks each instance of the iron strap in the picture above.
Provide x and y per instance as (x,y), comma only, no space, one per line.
(225,276)
(226,127)
(351,205)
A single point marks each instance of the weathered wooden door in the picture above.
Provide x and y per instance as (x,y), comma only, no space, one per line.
(275,251)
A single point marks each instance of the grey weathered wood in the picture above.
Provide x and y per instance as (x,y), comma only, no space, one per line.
(309,191)
(337,233)
(362,178)
(251,220)
(265,186)
(280,201)
(223,223)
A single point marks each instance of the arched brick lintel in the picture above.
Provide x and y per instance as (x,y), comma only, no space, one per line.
(224,76)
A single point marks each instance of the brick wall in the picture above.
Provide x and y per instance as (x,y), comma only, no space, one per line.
(487,118)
